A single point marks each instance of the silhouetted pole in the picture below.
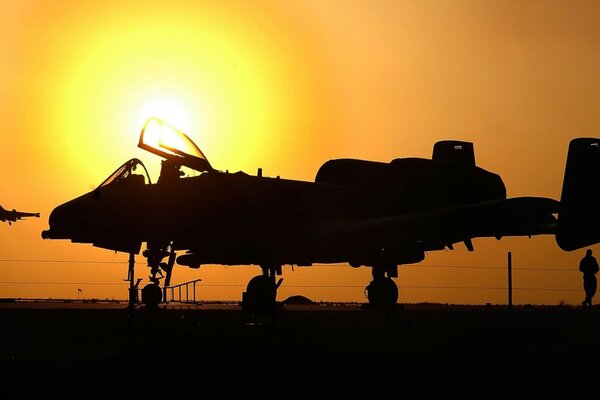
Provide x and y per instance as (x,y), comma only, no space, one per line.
(509,280)
(130,275)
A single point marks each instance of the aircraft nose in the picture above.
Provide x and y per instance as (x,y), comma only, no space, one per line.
(59,219)
(64,218)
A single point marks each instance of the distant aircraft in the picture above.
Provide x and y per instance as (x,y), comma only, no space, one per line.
(14,215)
(364,213)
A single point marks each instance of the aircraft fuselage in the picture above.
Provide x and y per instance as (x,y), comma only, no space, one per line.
(236,218)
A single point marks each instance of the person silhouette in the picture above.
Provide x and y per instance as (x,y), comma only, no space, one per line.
(589,267)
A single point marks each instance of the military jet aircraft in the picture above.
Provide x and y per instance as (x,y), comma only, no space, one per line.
(363,213)
(14,215)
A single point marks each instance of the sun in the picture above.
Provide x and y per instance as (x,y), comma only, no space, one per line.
(171,110)
(239,93)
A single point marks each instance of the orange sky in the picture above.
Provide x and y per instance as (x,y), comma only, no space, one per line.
(285,86)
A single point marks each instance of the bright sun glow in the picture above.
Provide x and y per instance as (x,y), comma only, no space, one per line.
(237,92)
(164,139)
(170,110)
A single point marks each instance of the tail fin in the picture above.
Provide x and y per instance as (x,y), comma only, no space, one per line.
(579,217)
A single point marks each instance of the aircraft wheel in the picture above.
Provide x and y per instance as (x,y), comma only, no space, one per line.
(151,295)
(260,294)
(382,292)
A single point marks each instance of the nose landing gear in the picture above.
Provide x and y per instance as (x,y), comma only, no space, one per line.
(152,294)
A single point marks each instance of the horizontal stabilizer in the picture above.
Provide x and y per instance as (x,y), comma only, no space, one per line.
(579,220)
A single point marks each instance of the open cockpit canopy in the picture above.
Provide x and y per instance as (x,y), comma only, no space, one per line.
(165,140)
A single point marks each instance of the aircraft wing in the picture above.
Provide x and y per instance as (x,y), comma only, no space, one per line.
(434,230)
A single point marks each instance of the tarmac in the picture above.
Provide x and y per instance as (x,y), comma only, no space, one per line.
(177,351)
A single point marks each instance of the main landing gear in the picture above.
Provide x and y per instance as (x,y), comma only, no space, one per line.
(261,292)
(382,292)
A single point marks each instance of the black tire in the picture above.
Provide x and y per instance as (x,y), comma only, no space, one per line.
(260,294)
(152,295)
(382,293)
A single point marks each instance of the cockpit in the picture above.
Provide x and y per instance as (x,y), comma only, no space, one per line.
(127,173)
(162,139)
(165,140)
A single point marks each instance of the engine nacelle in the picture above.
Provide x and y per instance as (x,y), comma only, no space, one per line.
(450,178)
(189,260)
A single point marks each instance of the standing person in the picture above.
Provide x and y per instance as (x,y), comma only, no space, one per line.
(589,267)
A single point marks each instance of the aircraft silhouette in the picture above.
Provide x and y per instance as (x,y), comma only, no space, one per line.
(360,212)
(14,215)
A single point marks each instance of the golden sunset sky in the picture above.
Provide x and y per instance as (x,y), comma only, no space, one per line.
(285,86)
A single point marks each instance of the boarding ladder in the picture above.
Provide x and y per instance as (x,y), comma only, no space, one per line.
(182,293)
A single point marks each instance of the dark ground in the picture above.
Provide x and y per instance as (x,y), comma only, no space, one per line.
(415,351)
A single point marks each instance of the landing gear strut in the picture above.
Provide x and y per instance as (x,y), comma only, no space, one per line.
(382,292)
(152,294)
(261,292)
